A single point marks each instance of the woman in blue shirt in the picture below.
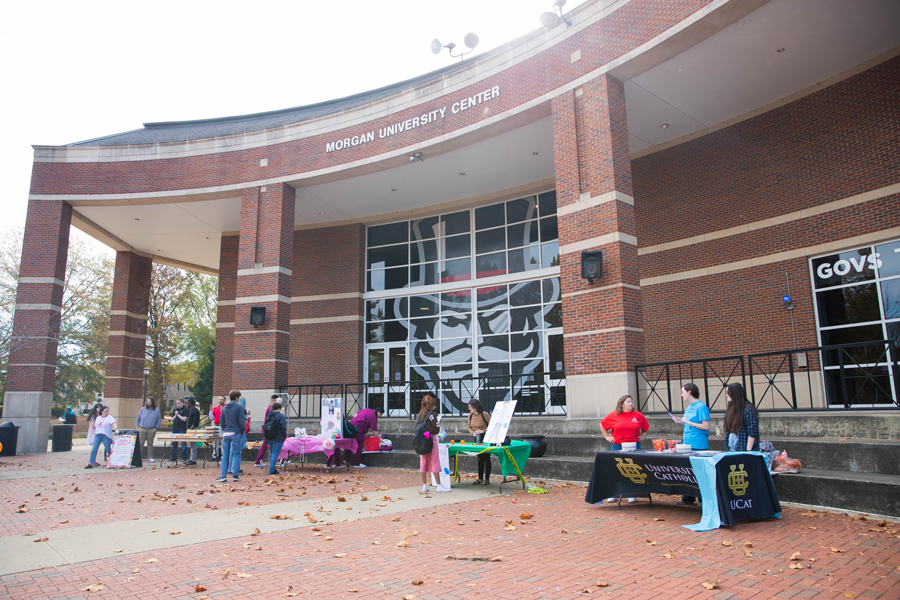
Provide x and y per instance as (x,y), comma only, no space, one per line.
(696,424)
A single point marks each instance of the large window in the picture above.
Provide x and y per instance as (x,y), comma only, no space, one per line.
(857,299)
(464,325)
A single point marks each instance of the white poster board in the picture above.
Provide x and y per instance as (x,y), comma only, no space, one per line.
(331,419)
(499,425)
(444,456)
(122,452)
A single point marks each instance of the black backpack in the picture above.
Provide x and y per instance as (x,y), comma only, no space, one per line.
(270,427)
(422,444)
(350,429)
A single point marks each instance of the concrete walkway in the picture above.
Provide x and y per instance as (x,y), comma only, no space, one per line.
(106,540)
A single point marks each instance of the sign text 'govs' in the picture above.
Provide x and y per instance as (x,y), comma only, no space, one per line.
(842,267)
(418,121)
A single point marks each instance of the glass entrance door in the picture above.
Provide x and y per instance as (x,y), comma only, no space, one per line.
(388,379)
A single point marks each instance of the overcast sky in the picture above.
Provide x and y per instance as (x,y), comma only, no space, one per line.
(74,71)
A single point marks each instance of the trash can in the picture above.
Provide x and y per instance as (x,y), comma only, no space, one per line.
(62,438)
(9,437)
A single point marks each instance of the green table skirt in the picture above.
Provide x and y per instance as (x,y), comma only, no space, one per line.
(520,452)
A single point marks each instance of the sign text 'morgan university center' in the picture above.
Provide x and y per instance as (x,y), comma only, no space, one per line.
(424,119)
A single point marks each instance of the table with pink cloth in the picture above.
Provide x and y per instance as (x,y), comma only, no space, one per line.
(300,446)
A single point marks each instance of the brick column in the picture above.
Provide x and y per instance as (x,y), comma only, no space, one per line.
(123,390)
(228,260)
(32,360)
(602,321)
(265,251)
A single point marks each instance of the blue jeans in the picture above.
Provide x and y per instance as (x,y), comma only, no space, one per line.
(98,438)
(231,454)
(619,446)
(183,450)
(274,450)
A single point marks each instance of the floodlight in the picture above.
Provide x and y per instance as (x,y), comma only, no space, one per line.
(436,46)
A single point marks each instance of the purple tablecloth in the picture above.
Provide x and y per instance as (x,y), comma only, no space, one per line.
(296,446)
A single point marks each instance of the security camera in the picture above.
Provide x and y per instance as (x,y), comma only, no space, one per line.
(412,159)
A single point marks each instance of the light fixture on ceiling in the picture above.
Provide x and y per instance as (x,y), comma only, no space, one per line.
(321,213)
(665,125)
(416,156)
(136,219)
(393,189)
(462,173)
(780,50)
(550,20)
(471,40)
(535,153)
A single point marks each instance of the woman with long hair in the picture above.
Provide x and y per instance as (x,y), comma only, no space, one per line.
(741,420)
(92,416)
(478,424)
(431,462)
(105,425)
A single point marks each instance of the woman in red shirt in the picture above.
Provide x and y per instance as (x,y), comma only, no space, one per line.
(624,425)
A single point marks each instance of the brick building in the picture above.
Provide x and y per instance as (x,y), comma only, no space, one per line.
(717,153)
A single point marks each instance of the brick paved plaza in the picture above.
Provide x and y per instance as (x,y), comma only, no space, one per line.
(175,533)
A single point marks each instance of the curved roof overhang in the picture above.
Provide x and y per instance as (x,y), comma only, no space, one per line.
(695,70)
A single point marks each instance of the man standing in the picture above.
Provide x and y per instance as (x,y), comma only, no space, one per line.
(193,422)
(275,443)
(233,420)
(179,425)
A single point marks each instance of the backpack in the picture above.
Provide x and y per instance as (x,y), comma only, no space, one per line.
(422,444)
(270,427)
(350,430)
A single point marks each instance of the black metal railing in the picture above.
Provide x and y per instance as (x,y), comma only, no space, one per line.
(864,375)
(537,394)
(659,384)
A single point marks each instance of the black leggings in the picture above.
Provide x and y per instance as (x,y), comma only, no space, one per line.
(484,466)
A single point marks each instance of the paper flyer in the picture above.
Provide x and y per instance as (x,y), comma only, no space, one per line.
(332,411)
(500,419)
(122,452)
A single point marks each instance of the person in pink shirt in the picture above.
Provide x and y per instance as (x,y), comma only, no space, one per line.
(265,444)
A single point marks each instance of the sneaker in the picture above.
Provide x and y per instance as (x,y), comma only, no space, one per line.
(682,502)
(257,465)
(361,466)
(612,500)
(221,480)
(234,480)
(96,464)
(274,473)
(152,460)
(89,467)
(632,500)
(424,488)
(191,462)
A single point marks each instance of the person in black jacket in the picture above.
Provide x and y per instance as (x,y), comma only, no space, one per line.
(233,421)
(193,422)
(276,443)
(179,425)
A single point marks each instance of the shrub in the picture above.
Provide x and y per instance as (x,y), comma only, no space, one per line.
(57,411)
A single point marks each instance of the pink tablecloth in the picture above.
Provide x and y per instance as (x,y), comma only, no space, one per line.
(304,445)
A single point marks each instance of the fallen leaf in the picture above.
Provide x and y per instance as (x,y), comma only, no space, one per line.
(316,529)
(118,550)
(710,586)
(341,555)
(363,498)
(154,530)
(93,588)
(835,550)
(64,521)
(199,588)
(669,554)
(174,533)
(577,532)
(407,597)
(135,570)
(292,594)
(279,517)
(244,575)
(417,582)
(376,543)
(795,556)
(354,590)
(43,539)
(650,542)
(328,538)
(341,499)
(726,543)
(602,584)
(564,531)
(658,519)
(395,519)
(748,552)
(226,572)
(796,566)
(22,509)
(525,515)
(402,544)
(255,532)
(312,519)
(152,560)
(748,544)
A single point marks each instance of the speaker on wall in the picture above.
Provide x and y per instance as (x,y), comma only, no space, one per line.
(257,315)
(591,265)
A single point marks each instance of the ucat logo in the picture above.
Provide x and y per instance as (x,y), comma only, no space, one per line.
(842,267)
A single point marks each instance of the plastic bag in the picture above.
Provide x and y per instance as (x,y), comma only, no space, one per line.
(785,464)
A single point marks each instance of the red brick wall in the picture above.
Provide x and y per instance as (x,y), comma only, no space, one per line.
(620,32)
(261,353)
(590,144)
(228,260)
(45,247)
(131,292)
(830,145)
(329,261)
